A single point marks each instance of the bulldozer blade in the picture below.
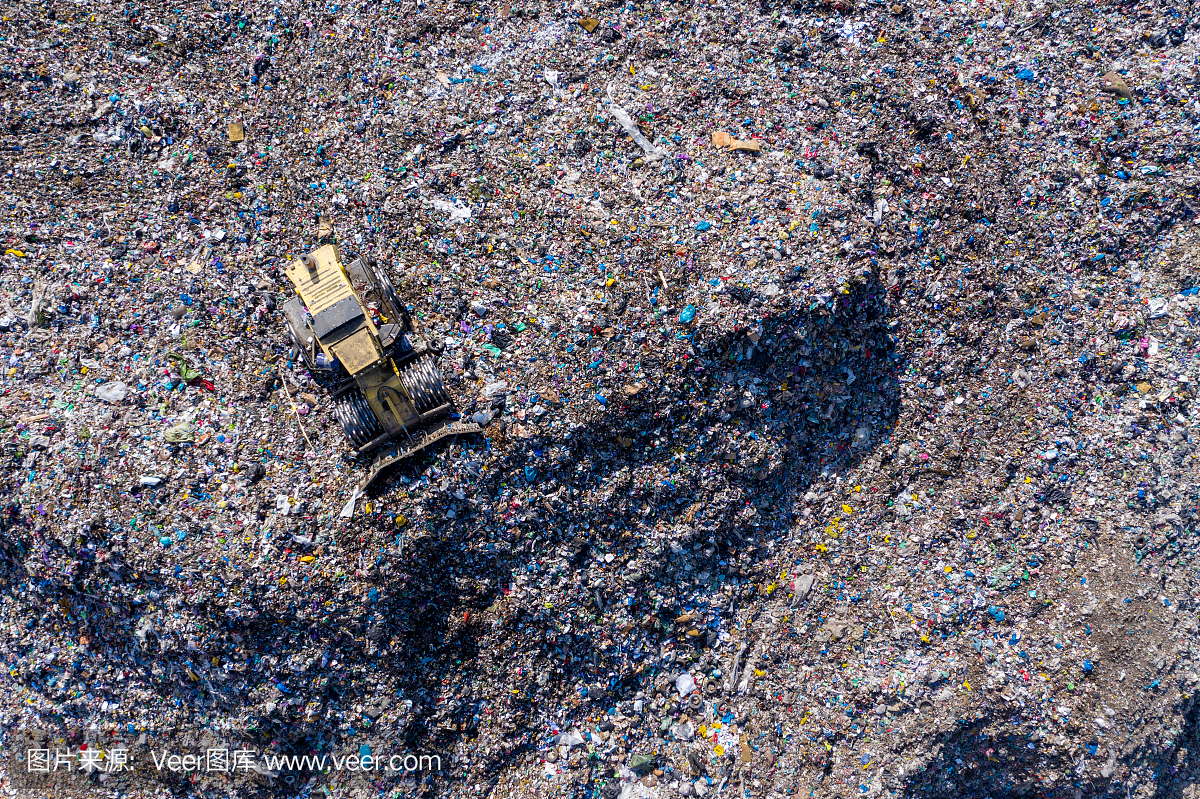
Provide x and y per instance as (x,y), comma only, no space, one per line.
(420,441)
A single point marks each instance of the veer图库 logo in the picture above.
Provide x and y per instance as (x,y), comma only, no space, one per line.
(45,763)
(86,760)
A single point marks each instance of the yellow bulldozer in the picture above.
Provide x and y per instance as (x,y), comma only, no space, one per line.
(387,392)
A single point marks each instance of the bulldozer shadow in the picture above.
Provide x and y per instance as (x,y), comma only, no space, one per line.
(692,486)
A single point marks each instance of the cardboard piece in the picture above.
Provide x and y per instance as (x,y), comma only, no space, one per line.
(589,25)
(237,132)
(722,139)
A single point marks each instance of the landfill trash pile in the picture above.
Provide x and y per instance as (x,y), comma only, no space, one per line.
(834,364)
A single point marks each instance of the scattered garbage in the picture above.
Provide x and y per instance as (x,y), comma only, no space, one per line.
(829,371)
